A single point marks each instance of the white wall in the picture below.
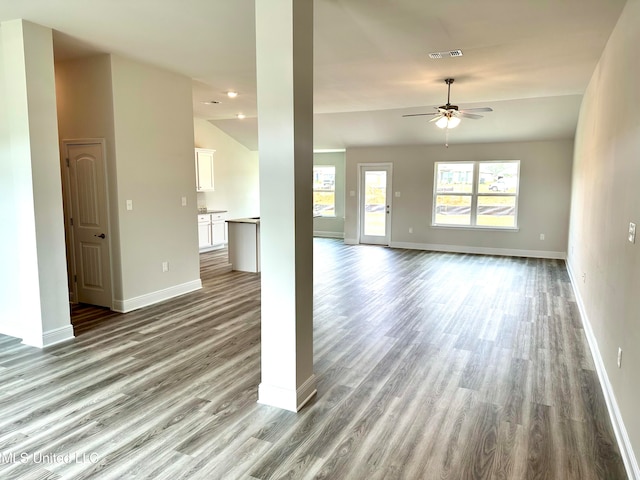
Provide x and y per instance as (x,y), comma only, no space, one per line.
(328,226)
(153,124)
(236,172)
(9,308)
(543,206)
(605,198)
(32,163)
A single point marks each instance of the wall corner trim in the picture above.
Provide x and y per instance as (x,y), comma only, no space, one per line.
(624,443)
(130,304)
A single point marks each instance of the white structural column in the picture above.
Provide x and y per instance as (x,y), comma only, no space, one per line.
(36,302)
(284,52)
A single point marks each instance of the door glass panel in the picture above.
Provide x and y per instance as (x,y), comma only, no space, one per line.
(375,203)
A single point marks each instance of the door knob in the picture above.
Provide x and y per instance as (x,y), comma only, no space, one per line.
(102,235)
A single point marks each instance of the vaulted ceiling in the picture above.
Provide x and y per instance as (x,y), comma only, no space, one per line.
(530,60)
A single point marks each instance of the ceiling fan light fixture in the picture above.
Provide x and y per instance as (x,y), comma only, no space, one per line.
(448,121)
(442,122)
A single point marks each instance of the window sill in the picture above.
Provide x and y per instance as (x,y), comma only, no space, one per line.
(476,228)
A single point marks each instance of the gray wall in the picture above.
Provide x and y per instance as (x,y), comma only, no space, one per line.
(543,207)
(328,226)
(150,161)
(605,198)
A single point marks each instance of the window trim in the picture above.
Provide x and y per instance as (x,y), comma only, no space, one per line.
(474,194)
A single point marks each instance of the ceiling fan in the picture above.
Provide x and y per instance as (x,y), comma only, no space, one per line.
(448,116)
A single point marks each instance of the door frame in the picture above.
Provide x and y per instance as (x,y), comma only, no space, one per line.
(389,167)
(67,208)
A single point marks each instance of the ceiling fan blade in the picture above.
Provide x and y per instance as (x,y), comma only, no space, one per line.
(435,119)
(469,115)
(479,109)
(420,114)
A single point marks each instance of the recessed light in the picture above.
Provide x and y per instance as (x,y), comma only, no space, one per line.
(232,94)
(241,116)
(211,102)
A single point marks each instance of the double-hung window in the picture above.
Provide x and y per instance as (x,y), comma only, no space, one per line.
(324,190)
(476,194)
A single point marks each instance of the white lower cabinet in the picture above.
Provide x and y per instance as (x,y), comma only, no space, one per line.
(219,232)
(212,231)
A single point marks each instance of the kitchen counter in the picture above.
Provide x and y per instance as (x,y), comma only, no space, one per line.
(254,220)
(204,212)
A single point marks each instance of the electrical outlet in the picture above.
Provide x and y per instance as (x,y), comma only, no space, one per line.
(542,236)
(632,232)
(584,278)
(619,357)
(165,266)
(410,229)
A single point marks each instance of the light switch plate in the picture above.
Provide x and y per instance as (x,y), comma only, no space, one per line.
(397,194)
(129,204)
(184,201)
(632,232)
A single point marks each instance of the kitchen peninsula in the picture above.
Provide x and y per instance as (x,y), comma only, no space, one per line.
(244,244)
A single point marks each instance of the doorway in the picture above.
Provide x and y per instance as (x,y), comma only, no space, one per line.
(87,222)
(374,208)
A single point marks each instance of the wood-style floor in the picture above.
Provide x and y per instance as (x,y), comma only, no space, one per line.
(429,366)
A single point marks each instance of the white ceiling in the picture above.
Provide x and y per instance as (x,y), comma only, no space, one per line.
(528,59)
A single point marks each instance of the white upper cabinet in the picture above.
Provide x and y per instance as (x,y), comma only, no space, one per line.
(204,169)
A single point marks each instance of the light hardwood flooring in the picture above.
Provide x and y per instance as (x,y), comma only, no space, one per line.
(429,366)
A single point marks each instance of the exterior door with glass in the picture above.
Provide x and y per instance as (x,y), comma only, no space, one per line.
(375,204)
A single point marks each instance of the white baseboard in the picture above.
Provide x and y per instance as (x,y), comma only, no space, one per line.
(351,241)
(130,304)
(508,252)
(57,335)
(50,337)
(327,234)
(624,443)
(292,400)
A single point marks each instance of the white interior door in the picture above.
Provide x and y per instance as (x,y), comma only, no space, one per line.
(90,224)
(375,204)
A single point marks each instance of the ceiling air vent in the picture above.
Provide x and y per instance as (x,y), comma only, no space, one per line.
(450,53)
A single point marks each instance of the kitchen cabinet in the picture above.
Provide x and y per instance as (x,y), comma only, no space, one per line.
(204,232)
(212,230)
(204,169)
